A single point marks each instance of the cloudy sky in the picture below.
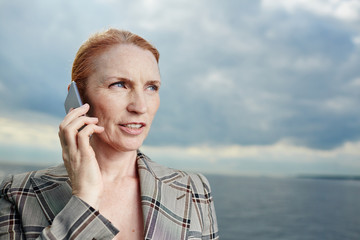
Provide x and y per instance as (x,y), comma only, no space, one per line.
(249,87)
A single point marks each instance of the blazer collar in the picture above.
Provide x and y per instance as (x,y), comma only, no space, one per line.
(166,200)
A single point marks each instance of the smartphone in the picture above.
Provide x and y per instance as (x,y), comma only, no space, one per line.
(73,99)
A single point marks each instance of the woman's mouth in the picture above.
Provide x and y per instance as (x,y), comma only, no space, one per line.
(132,128)
(133,125)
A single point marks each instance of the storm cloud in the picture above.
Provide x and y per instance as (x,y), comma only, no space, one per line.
(234,73)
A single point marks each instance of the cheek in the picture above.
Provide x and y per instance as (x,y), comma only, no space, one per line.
(154,106)
(94,106)
(104,106)
(100,111)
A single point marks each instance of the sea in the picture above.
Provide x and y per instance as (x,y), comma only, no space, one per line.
(278,208)
(290,208)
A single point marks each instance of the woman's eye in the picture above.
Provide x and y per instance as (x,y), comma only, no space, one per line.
(118,84)
(153,88)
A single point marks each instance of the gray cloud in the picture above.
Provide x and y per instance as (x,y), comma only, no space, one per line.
(233,72)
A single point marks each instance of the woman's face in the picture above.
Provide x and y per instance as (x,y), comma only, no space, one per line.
(123,92)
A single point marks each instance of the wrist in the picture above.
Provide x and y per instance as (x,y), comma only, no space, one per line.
(90,199)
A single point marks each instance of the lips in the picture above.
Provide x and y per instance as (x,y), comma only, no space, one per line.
(133,125)
(133,128)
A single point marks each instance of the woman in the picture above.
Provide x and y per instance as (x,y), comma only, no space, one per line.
(107,188)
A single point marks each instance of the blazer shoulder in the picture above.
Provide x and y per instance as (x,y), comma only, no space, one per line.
(14,185)
(20,180)
(199,183)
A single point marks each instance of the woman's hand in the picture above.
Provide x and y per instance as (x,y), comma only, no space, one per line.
(78,155)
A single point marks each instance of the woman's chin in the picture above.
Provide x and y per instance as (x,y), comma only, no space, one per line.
(129,146)
(125,145)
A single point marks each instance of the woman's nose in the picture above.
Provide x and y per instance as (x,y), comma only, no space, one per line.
(137,103)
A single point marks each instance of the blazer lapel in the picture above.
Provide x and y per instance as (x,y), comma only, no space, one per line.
(165,199)
(52,191)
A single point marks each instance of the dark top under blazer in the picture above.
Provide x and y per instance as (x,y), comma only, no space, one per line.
(40,205)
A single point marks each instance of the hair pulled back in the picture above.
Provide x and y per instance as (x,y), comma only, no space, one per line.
(84,62)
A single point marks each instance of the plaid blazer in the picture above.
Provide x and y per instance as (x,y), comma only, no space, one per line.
(40,205)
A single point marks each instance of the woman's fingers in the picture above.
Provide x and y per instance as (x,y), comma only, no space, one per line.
(74,114)
(77,127)
(75,119)
(69,132)
(84,135)
(79,157)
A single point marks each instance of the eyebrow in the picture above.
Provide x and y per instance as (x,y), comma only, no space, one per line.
(129,81)
(105,79)
(154,82)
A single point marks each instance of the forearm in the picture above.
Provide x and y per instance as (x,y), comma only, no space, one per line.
(77,220)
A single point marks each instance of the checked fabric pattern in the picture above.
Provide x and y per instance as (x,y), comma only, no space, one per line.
(39,205)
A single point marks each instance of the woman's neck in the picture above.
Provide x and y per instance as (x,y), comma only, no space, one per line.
(114,164)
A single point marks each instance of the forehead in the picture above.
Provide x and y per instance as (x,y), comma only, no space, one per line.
(128,59)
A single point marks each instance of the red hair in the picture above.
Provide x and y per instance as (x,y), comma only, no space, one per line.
(84,62)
